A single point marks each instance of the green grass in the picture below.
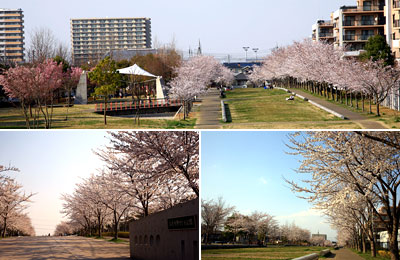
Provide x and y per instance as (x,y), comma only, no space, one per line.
(260,108)
(118,240)
(258,253)
(83,117)
(389,117)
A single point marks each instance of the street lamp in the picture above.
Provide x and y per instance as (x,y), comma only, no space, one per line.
(246,49)
(255,50)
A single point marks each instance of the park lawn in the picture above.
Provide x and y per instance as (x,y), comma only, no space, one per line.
(83,117)
(260,108)
(390,117)
(272,253)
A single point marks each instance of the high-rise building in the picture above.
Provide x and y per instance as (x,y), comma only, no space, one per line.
(93,38)
(11,36)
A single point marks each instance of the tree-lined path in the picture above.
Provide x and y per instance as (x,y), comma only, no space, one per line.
(210,111)
(57,248)
(363,121)
(346,254)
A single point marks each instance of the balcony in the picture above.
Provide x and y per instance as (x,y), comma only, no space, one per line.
(357,37)
(366,23)
(396,23)
(325,35)
(396,4)
(366,8)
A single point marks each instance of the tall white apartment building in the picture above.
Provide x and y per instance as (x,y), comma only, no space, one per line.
(11,36)
(92,38)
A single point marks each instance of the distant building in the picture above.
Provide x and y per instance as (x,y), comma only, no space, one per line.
(169,235)
(92,38)
(322,236)
(241,71)
(11,35)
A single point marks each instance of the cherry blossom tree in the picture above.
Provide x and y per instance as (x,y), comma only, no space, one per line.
(213,216)
(176,153)
(357,166)
(196,74)
(35,85)
(323,69)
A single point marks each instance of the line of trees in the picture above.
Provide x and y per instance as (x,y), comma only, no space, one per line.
(354,181)
(144,172)
(36,86)
(13,202)
(195,75)
(323,69)
(223,223)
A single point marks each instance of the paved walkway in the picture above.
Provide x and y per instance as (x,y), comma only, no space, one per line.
(62,248)
(359,119)
(346,254)
(210,111)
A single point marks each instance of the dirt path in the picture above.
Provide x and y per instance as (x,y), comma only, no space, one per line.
(346,254)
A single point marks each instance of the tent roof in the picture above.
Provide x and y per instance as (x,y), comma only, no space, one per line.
(136,70)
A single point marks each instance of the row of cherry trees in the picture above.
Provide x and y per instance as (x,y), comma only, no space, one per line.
(13,220)
(35,87)
(257,226)
(323,69)
(195,75)
(355,177)
(144,172)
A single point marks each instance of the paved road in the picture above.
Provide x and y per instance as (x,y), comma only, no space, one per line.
(363,121)
(346,254)
(61,248)
(210,111)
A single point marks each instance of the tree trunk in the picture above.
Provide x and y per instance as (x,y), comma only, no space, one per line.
(377,107)
(4,227)
(370,104)
(115,226)
(99,225)
(363,102)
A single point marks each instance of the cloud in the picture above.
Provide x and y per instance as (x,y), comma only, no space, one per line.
(263,181)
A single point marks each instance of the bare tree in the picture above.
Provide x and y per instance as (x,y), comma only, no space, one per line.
(42,46)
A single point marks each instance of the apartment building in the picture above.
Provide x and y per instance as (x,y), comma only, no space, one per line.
(392,31)
(92,38)
(323,31)
(11,36)
(352,26)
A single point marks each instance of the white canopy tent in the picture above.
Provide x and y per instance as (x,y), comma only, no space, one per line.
(136,70)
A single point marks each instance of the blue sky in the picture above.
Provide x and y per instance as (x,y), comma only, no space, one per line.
(247,170)
(50,163)
(223,26)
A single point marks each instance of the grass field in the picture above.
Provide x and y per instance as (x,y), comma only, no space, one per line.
(274,253)
(259,108)
(83,117)
(390,117)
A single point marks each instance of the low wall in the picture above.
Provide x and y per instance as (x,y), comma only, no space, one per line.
(167,235)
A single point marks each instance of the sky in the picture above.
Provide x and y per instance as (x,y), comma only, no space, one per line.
(223,26)
(50,164)
(247,169)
